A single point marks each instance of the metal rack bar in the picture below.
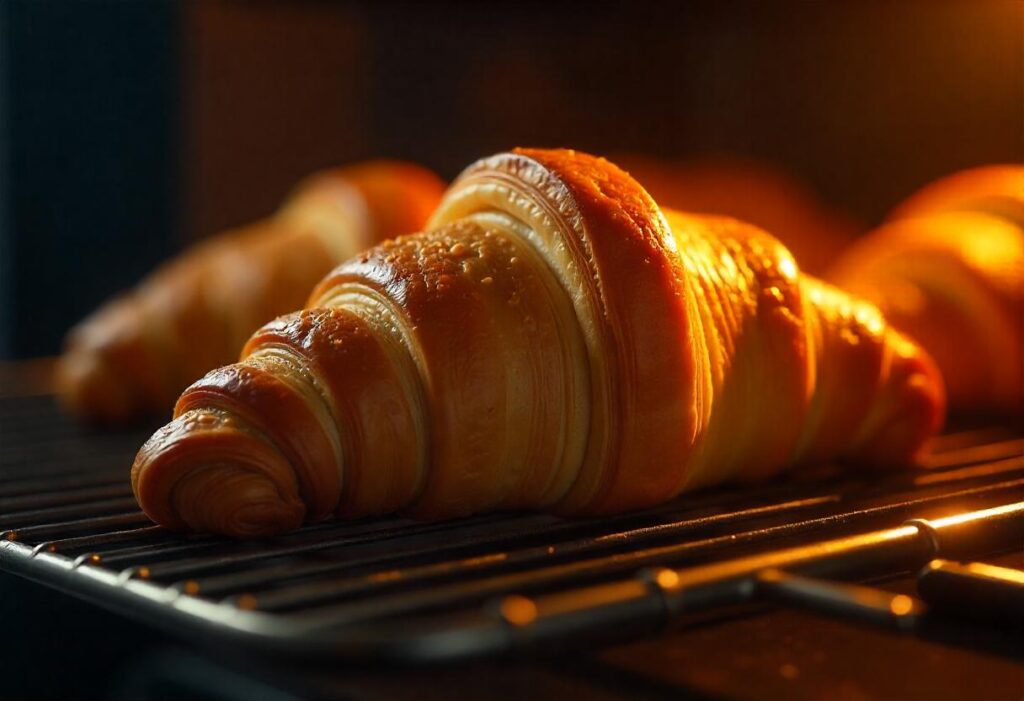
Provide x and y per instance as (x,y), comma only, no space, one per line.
(404,591)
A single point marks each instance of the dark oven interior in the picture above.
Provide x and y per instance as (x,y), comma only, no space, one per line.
(131,130)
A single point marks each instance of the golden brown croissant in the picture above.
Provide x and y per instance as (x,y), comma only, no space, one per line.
(137,353)
(948,269)
(554,341)
(752,192)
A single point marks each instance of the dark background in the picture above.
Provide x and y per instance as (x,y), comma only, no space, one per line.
(129,128)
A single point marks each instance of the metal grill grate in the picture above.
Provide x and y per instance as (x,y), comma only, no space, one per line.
(398,590)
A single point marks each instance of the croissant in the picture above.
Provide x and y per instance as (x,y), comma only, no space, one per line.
(554,341)
(137,353)
(948,269)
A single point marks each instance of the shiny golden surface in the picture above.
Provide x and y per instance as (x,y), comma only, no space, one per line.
(554,341)
(948,269)
(992,189)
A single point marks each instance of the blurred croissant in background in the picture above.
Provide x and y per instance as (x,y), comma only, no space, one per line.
(134,355)
(753,192)
(554,340)
(948,269)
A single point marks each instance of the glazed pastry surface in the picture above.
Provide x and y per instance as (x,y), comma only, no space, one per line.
(135,354)
(948,269)
(555,340)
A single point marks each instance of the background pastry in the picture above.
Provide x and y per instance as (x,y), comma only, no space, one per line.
(948,268)
(134,355)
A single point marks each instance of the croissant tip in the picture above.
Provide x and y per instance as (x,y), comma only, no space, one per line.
(230,501)
(915,410)
(89,388)
(206,471)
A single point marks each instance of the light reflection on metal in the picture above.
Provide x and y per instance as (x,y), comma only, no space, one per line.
(518,610)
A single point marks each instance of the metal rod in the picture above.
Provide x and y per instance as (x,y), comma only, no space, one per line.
(547,575)
(73,511)
(851,601)
(976,453)
(457,562)
(399,591)
(627,606)
(59,483)
(974,590)
(64,528)
(78,494)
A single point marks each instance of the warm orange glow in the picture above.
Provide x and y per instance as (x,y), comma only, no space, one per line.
(1004,573)
(789,671)
(901,605)
(787,267)
(246,601)
(992,188)
(969,516)
(518,610)
(993,244)
(667,579)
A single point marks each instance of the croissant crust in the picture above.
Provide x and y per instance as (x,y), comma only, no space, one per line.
(554,340)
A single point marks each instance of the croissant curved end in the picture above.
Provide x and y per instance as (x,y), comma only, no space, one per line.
(910,409)
(207,471)
(106,373)
(88,387)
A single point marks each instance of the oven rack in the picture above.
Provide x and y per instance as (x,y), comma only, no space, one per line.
(394,590)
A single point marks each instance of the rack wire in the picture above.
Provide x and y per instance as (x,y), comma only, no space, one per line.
(395,590)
